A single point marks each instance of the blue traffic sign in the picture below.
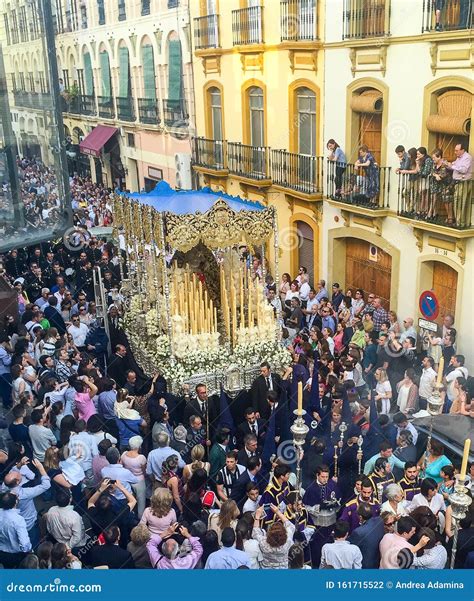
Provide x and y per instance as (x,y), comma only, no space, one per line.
(429,305)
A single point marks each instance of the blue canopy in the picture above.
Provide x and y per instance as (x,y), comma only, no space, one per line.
(164,199)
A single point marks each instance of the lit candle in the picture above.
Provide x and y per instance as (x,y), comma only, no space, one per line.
(233,302)
(250,301)
(440,371)
(241,286)
(465,457)
(300,398)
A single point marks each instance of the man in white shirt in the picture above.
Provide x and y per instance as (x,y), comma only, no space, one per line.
(305,289)
(401,421)
(84,446)
(253,498)
(78,332)
(275,302)
(458,371)
(427,382)
(341,554)
(63,523)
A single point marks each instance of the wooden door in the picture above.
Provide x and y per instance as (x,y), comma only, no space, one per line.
(445,284)
(447,142)
(372,275)
(306,248)
(370,133)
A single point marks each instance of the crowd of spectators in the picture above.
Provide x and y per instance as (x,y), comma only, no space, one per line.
(102,466)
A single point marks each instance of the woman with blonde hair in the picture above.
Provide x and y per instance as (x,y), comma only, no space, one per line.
(226,518)
(139,537)
(160,515)
(383,390)
(197,455)
(394,323)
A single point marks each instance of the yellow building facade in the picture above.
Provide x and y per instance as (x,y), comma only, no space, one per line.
(259,73)
(275,80)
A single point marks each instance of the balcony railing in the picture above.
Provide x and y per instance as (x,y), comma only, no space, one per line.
(206,32)
(125,108)
(454,15)
(247,25)
(366,19)
(106,107)
(367,187)
(249,161)
(442,202)
(210,153)
(297,171)
(298,20)
(32,100)
(175,114)
(148,111)
(81,105)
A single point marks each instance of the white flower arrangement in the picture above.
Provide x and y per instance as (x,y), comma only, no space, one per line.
(199,353)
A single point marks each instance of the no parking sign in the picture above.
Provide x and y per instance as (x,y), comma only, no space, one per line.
(429,305)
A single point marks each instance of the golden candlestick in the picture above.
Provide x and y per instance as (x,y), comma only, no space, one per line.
(465,457)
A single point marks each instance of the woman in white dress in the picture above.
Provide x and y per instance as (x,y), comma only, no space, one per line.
(383,390)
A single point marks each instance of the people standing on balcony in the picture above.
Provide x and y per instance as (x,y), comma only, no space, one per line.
(337,155)
(441,188)
(409,185)
(462,179)
(424,166)
(439,5)
(370,184)
(404,157)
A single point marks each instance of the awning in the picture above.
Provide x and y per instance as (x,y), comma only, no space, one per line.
(370,101)
(95,141)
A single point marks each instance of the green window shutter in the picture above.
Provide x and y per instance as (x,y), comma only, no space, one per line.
(175,73)
(105,75)
(149,81)
(124,71)
(88,74)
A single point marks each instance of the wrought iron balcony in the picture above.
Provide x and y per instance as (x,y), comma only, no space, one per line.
(106,107)
(367,187)
(252,162)
(445,202)
(298,20)
(82,105)
(32,100)
(125,108)
(300,172)
(175,114)
(366,19)
(454,15)
(210,153)
(206,32)
(148,111)
(247,25)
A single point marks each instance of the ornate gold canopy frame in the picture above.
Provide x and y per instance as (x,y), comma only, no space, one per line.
(151,236)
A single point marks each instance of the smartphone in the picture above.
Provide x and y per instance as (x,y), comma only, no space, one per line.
(112,482)
(267,507)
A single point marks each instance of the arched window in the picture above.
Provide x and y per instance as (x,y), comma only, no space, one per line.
(149,75)
(306,121)
(214,98)
(106,83)
(256,116)
(88,74)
